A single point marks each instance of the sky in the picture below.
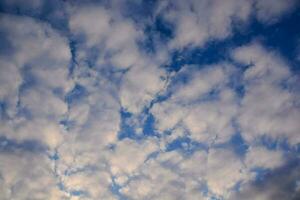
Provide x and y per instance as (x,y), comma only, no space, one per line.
(149,100)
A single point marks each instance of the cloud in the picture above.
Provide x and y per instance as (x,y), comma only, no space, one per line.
(25,175)
(267,108)
(182,177)
(140,86)
(70,75)
(161,171)
(281,183)
(10,80)
(197,22)
(91,184)
(203,106)
(122,152)
(260,157)
(39,55)
(231,171)
(191,105)
(41,39)
(199,83)
(98,26)
(92,126)
(119,51)
(269,12)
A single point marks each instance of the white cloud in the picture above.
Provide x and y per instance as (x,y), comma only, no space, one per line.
(10,80)
(268,108)
(197,22)
(187,105)
(162,172)
(199,83)
(34,43)
(212,121)
(181,177)
(117,37)
(121,161)
(167,115)
(36,47)
(268,11)
(94,124)
(25,175)
(41,102)
(92,22)
(47,132)
(264,64)
(39,59)
(95,183)
(88,167)
(224,171)
(141,85)
(116,73)
(264,158)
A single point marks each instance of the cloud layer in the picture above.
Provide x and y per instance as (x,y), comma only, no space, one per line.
(93,107)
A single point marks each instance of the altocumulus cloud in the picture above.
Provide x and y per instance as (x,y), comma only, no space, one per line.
(149,100)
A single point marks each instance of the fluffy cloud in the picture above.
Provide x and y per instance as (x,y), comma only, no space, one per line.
(231,171)
(140,86)
(269,12)
(36,47)
(101,27)
(191,105)
(264,158)
(10,80)
(121,153)
(25,175)
(204,107)
(39,55)
(117,39)
(64,92)
(268,108)
(35,76)
(161,171)
(185,177)
(197,22)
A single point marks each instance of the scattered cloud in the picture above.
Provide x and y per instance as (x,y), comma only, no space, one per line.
(91,106)
(269,106)
(269,12)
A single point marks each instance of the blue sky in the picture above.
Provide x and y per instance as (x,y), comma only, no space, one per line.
(149,100)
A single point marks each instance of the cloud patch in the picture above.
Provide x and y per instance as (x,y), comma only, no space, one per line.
(93,104)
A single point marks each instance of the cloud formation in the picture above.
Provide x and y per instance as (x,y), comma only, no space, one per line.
(94,103)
